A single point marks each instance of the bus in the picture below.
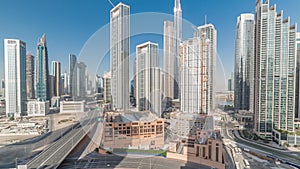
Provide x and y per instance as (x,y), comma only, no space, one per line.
(247,165)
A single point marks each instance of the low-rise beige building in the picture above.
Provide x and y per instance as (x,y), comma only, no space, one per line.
(133,130)
(204,148)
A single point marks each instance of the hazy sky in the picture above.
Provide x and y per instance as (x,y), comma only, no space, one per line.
(68,24)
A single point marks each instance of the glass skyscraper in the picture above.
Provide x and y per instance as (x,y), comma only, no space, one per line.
(148,94)
(297,104)
(169,60)
(197,71)
(72,76)
(172,40)
(119,56)
(81,79)
(15,77)
(209,33)
(274,71)
(244,61)
(30,76)
(42,71)
(56,73)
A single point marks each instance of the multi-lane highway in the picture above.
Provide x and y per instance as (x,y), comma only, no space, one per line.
(22,151)
(54,154)
(284,155)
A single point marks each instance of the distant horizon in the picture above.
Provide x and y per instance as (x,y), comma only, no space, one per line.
(69,27)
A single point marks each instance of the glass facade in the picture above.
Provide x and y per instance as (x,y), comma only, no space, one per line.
(15,77)
(42,71)
(244,58)
(119,56)
(275,67)
(147,72)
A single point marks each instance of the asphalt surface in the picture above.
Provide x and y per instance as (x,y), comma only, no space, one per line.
(95,160)
(22,151)
(54,154)
(285,155)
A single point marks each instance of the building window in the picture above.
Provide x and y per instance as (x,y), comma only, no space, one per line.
(217,154)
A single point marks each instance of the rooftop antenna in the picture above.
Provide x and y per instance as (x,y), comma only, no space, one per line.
(205,19)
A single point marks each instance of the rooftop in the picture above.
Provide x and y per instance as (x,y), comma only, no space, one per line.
(144,116)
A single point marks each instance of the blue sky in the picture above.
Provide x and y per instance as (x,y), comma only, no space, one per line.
(68,24)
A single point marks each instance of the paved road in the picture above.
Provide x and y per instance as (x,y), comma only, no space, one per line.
(286,155)
(94,160)
(228,155)
(54,154)
(281,154)
(24,150)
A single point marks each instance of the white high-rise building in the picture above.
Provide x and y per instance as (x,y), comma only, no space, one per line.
(172,40)
(169,60)
(244,61)
(65,83)
(177,41)
(15,77)
(275,71)
(148,76)
(195,76)
(208,33)
(297,104)
(119,55)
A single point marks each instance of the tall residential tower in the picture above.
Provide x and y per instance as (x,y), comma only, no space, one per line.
(274,71)
(119,55)
(297,104)
(169,60)
(244,62)
(15,77)
(208,33)
(148,95)
(197,71)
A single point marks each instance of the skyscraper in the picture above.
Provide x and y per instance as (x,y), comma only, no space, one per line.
(42,71)
(65,83)
(177,41)
(56,73)
(119,55)
(15,77)
(297,103)
(30,76)
(244,61)
(72,75)
(229,85)
(51,86)
(195,75)
(209,33)
(81,79)
(107,87)
(275,71)
(172,40)
(148,96)
(169,60)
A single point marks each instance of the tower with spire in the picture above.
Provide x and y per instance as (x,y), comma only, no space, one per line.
(172,39)
(177,41)
(42,70)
